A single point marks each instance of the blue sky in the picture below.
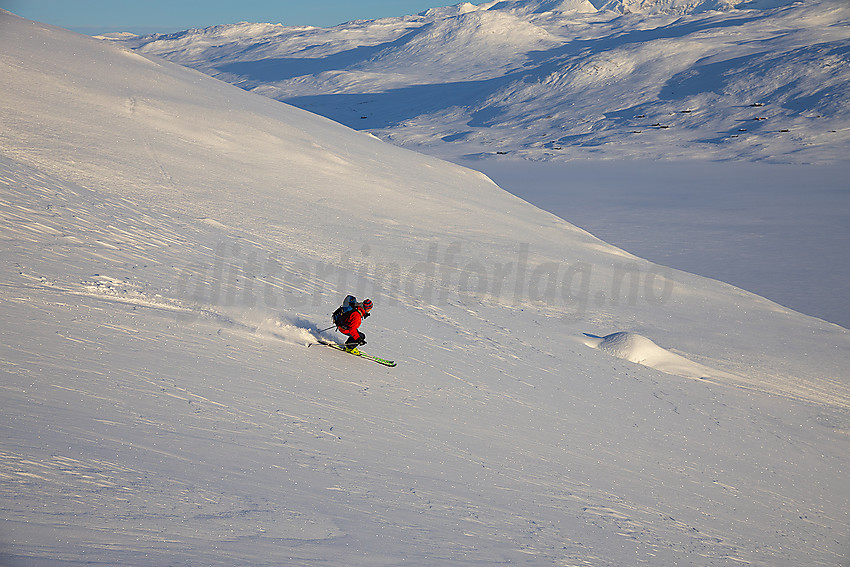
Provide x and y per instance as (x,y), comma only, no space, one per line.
(144,16)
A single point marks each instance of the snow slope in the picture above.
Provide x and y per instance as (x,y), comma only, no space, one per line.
(686,83)
(171,243)
(670,79)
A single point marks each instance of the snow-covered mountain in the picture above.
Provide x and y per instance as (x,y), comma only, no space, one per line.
(170,244)
(542,79)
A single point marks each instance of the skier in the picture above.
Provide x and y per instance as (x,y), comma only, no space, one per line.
(347,319)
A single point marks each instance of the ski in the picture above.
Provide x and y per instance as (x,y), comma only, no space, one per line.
(377,359)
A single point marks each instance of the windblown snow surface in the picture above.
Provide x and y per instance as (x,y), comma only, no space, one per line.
(172,243)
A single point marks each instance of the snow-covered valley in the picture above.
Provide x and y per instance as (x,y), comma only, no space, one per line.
(172,243)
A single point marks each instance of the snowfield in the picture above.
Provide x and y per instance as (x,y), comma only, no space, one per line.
(171,244)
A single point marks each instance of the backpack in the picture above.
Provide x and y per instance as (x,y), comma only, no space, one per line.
(343,312)
(341,315)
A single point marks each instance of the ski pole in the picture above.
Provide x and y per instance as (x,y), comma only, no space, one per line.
(328,329)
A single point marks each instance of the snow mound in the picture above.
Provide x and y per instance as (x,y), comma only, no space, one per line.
(641,350)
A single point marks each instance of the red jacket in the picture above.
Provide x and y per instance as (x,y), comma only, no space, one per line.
(350,327)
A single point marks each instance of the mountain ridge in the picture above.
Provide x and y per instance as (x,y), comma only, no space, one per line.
(755,81)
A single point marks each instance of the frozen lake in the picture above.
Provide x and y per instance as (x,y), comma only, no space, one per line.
(780,231)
